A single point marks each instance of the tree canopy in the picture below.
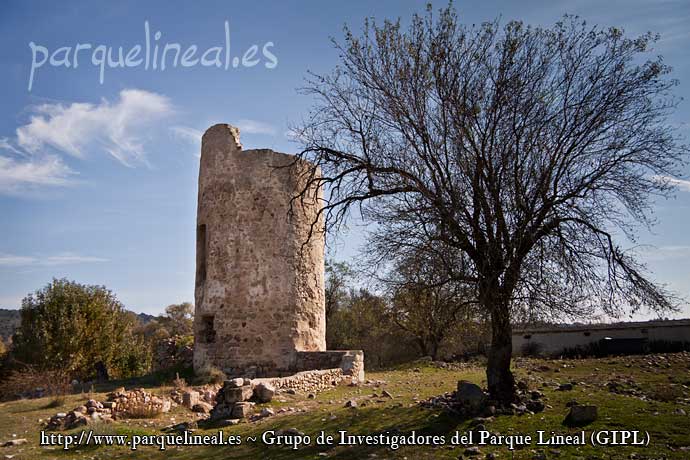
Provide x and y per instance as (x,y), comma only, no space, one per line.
(522,157)
(73,327)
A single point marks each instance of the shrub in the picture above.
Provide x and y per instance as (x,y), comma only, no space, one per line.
(179,382)
(72,327)
(666,346)
(533,349)
(209,374)
(667,393)
(28,382)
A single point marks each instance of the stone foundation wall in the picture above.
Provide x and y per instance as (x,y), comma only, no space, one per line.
(307,381)
(351,362)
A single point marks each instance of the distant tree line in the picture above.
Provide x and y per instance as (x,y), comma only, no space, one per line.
(408,314)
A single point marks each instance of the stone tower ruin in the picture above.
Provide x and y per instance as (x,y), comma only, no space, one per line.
(259,296)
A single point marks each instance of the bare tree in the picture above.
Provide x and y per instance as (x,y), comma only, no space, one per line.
(528,153)
(338,277)
(426,302)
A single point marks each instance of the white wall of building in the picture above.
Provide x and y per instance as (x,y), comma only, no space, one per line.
(555,341)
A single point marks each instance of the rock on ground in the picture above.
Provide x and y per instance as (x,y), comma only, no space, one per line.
(581,415)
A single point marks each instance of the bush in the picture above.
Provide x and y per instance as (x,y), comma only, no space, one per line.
(28,382)
(73,327)
(665,346)
(209,374)
(533,349)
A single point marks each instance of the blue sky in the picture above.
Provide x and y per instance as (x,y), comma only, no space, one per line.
(98,180)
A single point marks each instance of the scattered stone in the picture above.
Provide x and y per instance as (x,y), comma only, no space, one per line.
(386,394)
(228,422)
(190,398)
(179,427)
(565,387)
(351,403)
(264,392)
(581,415)
(234,383)
(473,451)
(15,442)
(62,421)
(267,412)
(535,406)
(470,396)
(202,408)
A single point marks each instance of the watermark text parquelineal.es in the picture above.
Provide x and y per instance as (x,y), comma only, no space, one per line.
(152,54)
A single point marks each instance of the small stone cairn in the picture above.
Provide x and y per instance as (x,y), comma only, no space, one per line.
(136,403)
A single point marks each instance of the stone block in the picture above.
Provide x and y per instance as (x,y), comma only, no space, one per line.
(239,394)
(242,410)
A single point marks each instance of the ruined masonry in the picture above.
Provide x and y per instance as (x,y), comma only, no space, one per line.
(259,289)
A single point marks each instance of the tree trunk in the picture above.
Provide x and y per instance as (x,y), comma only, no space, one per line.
(498,374)
(434,350)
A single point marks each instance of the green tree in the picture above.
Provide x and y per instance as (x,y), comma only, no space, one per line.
(71,326)
(179,319)
(364,323)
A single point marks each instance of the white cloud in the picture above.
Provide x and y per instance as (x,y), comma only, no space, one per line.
(8,260)
(113,127)
(682,184)
(70,259)
(189,135)
(664,253)
(19,175)
(254,127)
(6,145)
(67,258)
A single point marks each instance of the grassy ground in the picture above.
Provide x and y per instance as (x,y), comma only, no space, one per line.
(634,393)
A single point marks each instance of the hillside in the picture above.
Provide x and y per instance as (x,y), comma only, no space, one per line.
(9,321)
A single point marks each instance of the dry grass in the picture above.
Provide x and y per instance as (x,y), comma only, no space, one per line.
(25,382)
(210,374)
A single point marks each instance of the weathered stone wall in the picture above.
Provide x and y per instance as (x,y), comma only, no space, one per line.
(307,381)
(351,362)
(259,301)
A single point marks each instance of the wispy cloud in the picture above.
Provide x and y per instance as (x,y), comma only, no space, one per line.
(254,127)
(11,260)
(115,128)
(682,184)
(18,175)
(664,253)
(189,135)
(5,144)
